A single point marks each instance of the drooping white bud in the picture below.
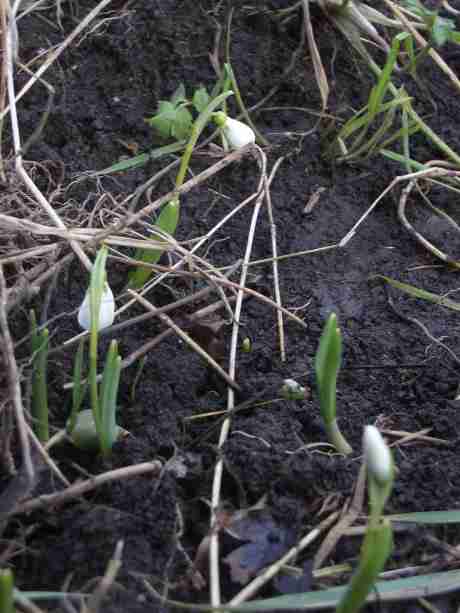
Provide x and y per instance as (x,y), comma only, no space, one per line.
(106,312)
(237,133)
(377,455)
(292,390)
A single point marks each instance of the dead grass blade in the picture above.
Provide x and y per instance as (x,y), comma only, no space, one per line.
(320,73)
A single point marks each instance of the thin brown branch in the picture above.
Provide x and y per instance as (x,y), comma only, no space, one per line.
(83,487)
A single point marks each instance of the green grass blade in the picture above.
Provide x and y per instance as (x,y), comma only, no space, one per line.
(384,591)
(396,590)
(372,143)
(397,157)
(427,517)
(422,294)
(379,91)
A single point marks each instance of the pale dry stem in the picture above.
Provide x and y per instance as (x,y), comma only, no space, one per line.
(82,487)
(14,382)
(214,557)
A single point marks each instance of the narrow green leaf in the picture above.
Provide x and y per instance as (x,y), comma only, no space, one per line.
(167,222)
(327,364)
(381,88)
(396,590)
(109,393)
(427,517)
(79,388)
(397,157)
(422,294)
(143,158)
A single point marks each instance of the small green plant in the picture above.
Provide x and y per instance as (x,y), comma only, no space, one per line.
(441,29)
(378,541)
(96,428)
(377,109)
(39,346)
(6,591)
(173,119)
(169,216)
(327,365)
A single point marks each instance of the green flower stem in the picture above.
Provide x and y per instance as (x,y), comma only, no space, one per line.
(336,437)
(98,278)
(239,100)
(376,549)
(198,126)
(378,495)
(6,591)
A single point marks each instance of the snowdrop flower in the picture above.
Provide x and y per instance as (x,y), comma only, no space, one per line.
(237,134)
(377,455)
(106,312)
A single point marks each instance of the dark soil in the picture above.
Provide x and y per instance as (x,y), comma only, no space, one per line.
(106,83)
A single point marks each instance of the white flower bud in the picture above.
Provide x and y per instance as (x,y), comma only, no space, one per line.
(292,390)
(237,133)
(106,311)
(377,455)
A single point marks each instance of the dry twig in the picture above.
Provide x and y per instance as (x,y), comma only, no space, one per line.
(14,382)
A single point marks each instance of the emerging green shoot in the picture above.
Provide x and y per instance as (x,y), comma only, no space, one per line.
(103,399)
(79,387)
(378,541)
(39,346)
(81,425)
(327,365)
(6,591)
